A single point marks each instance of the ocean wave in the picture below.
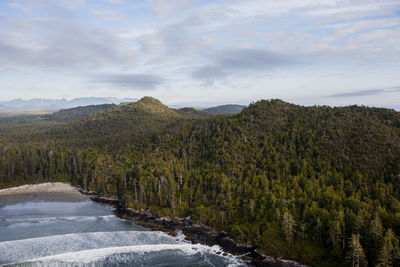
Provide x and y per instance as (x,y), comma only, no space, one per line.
(27,222)
(139,255)
(26,249)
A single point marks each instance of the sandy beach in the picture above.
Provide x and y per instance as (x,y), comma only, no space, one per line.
(39,188)
(40,192)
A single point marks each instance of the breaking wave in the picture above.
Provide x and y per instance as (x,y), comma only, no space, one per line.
(88,234)
(31,248)
(139,255)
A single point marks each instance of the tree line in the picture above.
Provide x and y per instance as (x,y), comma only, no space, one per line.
(319,185)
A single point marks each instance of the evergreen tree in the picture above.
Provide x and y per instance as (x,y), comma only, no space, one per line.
(389,250)
(253,175)
(288,227)
(356,256)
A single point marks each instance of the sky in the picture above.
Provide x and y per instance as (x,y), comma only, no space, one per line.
(203,52)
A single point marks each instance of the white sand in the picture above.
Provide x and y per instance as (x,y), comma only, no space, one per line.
(39,188)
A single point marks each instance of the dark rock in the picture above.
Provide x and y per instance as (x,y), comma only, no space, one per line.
(85,192)
(90,193)
(204,235)
(107,201)
(196,234)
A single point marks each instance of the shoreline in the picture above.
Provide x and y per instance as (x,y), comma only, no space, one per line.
(56,187)
(195,233)
(49,192)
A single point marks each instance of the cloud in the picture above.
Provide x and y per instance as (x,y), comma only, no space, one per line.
(356,15)
(350,6)
(209,74)
(381,37)
(229,44)
(253,24)
(163,8)
(359,93)
(142,82)
(53,35)
(316,8)
(151,42)
(33,6)
(368,92)
(107,14)
(359,33)
(215,15)
(242,61)
(63,47)
(253,59)
(175,40)
(115,1)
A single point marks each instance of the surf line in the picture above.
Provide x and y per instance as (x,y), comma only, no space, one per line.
(193,232)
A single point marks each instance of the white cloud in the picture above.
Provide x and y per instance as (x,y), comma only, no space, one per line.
(115,1)
(243,48)
(163,8)
(349,6)
(381,37)
(152,43)
(107,14)
(344,29)
(60,41)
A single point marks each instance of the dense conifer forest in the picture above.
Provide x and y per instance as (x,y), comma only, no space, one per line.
(318,185)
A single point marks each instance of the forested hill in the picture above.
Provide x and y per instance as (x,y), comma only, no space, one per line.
(319,185)
(225,109)
(117,127)
(76,113)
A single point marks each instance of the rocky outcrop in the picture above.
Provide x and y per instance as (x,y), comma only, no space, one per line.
(108,201)
(90,193)
(196,234)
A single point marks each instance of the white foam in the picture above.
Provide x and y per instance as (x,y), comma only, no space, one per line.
(88,256)
(98,255)
(26,249)
(181,237)
(16,223)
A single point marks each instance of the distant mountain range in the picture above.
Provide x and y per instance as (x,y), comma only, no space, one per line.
(225,109)
(57,104)
(44,104)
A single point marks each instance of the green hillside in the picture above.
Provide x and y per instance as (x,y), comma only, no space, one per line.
(116,127)
(192,113)
(224,109)
(72,114)
(312,184)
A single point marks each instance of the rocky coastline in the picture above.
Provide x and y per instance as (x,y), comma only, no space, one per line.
(195,233)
